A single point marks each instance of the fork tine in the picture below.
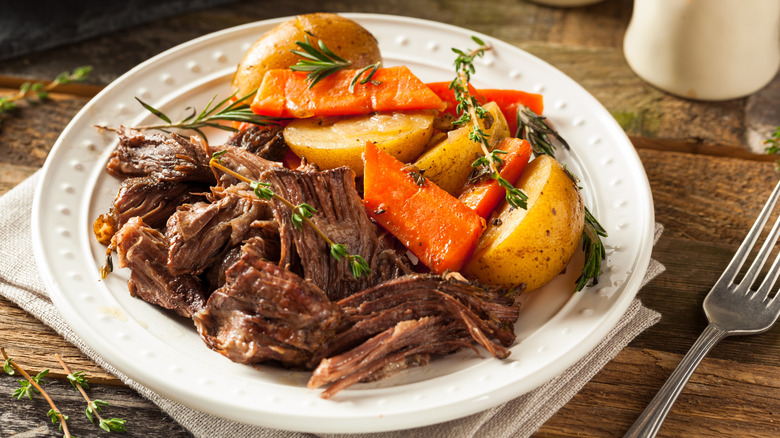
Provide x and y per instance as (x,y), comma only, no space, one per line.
(769,281)
(730,273)
(761,258)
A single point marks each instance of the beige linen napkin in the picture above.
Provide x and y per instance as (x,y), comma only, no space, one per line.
(20,282)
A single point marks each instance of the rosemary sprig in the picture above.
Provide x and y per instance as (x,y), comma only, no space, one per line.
(301,214)
(544,140)
(224,111)
(320,62)
(34,92)
(534,129)
(54,414)
(79,381)
(470,111)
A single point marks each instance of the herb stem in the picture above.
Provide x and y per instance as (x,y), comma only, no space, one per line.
(215,163)
(41,390)
(475,122)
(76,384)
(357,263)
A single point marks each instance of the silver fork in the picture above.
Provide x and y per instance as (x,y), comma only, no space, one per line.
(732,309)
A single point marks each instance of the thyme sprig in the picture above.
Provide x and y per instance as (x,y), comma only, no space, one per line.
(773,146)
(301,213)
(54,414)
(544,140)
(230,109)
(35,92)
(469,110)
(94,407)
(320,62)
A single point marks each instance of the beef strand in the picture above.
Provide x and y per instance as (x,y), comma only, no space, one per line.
(266,142)
(199,233)
(342,217)
(171,158)
(403,318)
(142,249)
(264,312)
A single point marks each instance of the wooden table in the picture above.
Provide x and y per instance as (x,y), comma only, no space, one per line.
(704,162)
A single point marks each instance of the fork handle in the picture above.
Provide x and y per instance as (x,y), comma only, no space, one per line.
(648,424)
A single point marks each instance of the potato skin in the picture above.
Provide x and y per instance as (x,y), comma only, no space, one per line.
(448,162)
(343,36)
(530,247)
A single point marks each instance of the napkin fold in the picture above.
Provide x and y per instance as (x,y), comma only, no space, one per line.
(21,283)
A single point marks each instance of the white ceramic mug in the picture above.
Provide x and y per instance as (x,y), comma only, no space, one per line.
(705,49)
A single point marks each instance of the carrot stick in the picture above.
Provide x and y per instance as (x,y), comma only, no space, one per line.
(484,196)
(436,227)
(286,93)
(508,100)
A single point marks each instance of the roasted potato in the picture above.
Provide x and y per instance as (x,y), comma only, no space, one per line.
(448,162)
(339,141)
(530,247)
(341,35)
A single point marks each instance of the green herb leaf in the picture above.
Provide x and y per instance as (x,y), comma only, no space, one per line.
(368,78)
(113,425)
(226,110)
(78,378)
(533,128)
(93,408)
(56,418)
(319,63)
(300,212)
(262,189)
(358,266)
(773,146)
(8,368)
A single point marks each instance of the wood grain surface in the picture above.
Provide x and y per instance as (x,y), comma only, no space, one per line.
(703,161)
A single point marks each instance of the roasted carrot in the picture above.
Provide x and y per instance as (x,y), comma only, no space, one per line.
(507,100)
(286,93)
(436,227)
(484,196)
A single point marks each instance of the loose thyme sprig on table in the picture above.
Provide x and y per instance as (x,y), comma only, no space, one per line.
(773,146)
(79,381)
(33,384)
(224,111)
(470,111)
(320,62)
(544,140)
(34,92)
(300,214)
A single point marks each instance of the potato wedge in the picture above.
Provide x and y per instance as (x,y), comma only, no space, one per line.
(448,162)
(341,35)
(339,141)
(530,247)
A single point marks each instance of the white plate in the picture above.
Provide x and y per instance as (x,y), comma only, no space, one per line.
(165,353)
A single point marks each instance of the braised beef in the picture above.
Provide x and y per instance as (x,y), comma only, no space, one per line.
(266,142)
(244,163)
(198,233)
(153,200)
(279,295)
(143,250)
(430,335)
(264,242)
(382,326)
(264,312)
(342,217)
(169,158)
